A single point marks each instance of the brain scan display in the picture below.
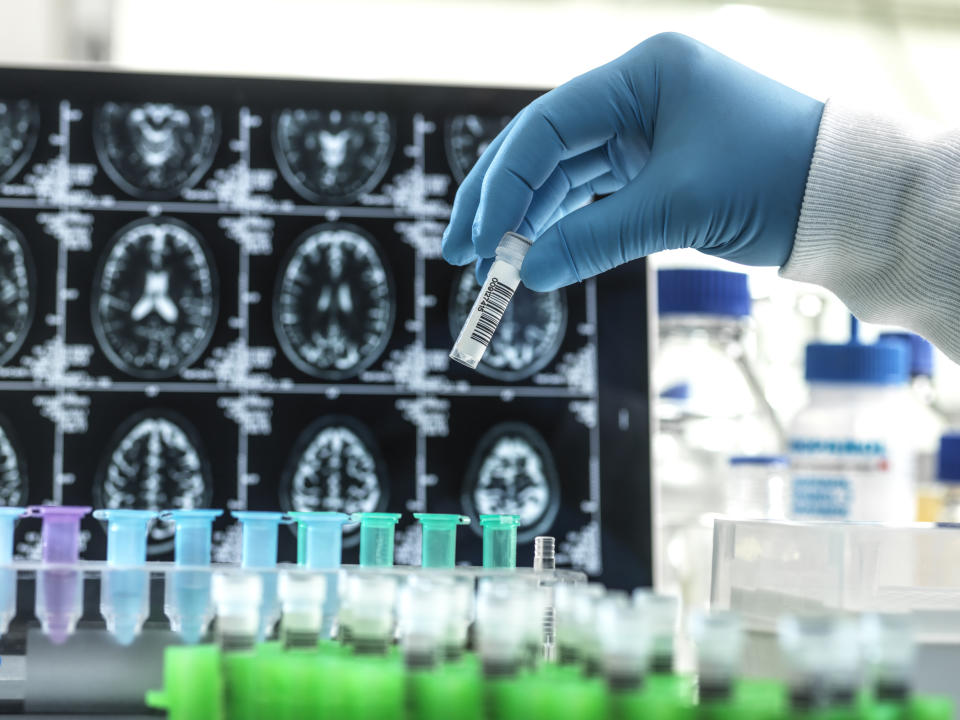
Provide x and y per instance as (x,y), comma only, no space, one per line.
(512,472)
(155,150)
(466,137)
(332,155)
(528,336)
(19,128)
(16,291)
(334,302)
(155,298)
(154,463)
(13,473)
(335,467)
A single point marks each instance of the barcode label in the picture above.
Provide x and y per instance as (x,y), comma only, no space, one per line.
(492,306)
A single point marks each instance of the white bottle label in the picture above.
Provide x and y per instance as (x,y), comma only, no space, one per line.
(485,316)
(847,479)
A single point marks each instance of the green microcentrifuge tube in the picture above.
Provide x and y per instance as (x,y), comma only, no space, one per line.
(438,544)
(376,538)
(499,540)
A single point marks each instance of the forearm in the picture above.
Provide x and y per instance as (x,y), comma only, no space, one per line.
(880,224)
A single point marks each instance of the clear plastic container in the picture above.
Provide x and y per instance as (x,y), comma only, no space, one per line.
(758,486)
(710,407)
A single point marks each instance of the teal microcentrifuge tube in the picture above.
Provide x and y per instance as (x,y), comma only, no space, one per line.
(59,601)
(499,540)
(187,598)
(376,538)
(319,545)
(259,550)
(438,544)
(125,584)
(8,576)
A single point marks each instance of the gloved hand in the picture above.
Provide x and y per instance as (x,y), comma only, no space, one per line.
(691,148)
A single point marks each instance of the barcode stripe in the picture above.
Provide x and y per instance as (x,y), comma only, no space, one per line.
(493,307)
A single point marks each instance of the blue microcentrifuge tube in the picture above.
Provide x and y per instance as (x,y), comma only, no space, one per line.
(59,601)
(125,585)
(188,602)
(319,547)
(8,575)
(259,550)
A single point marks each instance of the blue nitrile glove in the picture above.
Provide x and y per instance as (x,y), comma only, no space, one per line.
(694,149)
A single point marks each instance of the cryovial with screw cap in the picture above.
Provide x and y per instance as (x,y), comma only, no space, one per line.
(491,303)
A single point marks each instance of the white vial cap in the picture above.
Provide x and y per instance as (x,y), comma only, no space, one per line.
(513,248)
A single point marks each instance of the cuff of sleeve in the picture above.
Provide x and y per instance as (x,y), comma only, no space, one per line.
(880,223)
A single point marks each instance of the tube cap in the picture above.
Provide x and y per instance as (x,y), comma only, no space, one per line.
(880,364)
(921,351)
(948,461)
(689,291)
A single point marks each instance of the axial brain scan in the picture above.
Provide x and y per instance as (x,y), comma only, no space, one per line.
(155,150)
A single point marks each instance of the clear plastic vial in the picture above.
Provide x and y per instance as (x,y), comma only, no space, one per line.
(491,303)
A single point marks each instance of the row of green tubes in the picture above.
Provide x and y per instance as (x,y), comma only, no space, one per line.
(204,683)
(319,532)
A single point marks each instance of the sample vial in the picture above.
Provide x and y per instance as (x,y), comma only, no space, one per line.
(491,303)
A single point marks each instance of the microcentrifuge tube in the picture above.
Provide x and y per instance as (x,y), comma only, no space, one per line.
(624,642)
(424,606)
(367,615)
(491,303)
(824,660)
(259,550)
(661,612)
(237,597)
(319,548)
(438,539)
(376,538)
(187,598)
(8,575)
(719,640)
(499,540)
(125,585)
(302,608)
(59,602)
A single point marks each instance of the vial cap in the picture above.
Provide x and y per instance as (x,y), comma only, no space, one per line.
(880,364)
(920,350)
(948,460)
(512,248)
(700,291)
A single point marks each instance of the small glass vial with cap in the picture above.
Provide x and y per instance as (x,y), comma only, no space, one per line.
(491,303)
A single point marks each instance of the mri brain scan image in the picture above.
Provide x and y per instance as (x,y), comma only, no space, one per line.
(155,298)
(16,291)
(13,473)
(334,302)
(19,128)
(335,467)
(512,472)
(332,156)
(155,463)
(528,336)
(155,150)
(466,137)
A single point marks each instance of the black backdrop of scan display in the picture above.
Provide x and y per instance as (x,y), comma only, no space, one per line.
(228,292)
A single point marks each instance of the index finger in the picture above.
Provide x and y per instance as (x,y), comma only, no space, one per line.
(577,116)
(457,243)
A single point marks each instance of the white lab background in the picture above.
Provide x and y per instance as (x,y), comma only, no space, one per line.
(898,56)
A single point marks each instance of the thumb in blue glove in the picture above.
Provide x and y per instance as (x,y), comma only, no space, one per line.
(690,148)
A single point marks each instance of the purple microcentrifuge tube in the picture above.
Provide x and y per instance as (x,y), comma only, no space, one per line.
(59,602)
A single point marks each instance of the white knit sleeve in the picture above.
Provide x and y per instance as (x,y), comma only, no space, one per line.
(880,223)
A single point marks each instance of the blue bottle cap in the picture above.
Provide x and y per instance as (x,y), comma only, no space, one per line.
(948,460)
(880,364)
(921,351)
(699,291)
